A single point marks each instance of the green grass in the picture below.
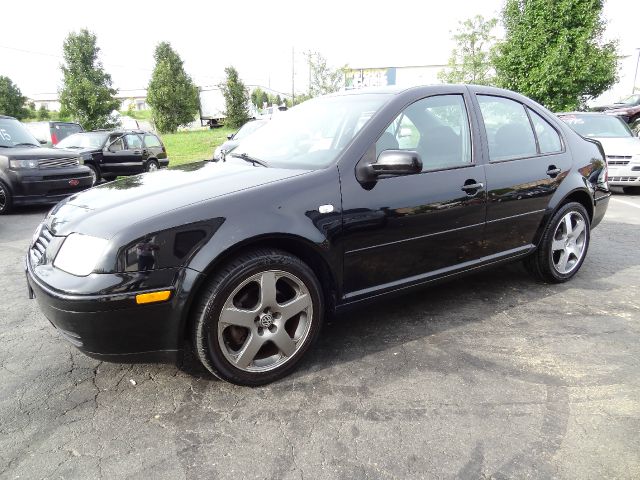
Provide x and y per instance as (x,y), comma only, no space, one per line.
(137,114)
(192,146)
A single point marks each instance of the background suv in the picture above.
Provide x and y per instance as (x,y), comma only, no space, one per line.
(31,174)
(50,133)
(118,152)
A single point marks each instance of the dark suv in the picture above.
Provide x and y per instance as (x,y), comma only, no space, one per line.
(118,152)
(31,174)
(345,199)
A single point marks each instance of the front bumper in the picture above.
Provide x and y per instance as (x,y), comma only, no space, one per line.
(98,314)
(47,186)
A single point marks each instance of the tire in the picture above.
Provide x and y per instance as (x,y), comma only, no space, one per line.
(254,354)
(95,174)
(109,178)
(152,166)
(6,198)
(557,249)
(631,190)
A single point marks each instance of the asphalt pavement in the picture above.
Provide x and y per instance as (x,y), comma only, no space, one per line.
(493,376)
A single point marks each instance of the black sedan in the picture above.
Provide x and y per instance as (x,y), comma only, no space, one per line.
(345,199)
(117,153)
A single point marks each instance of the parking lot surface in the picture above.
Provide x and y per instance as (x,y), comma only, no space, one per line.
(492,376)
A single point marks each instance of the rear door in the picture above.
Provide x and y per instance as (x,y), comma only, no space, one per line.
(155,149)
(405,229)
(527,162)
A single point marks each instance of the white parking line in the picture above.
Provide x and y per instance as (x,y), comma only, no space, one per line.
(625,202)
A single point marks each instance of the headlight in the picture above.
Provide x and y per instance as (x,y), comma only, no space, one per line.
(79,254)
(83,158)
(16,164)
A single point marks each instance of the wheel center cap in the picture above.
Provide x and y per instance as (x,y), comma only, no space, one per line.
(265,320)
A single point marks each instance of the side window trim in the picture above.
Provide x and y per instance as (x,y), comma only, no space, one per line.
(466,101)
(533,128)
(562,143)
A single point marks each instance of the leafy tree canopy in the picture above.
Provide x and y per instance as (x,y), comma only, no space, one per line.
(236,99)
(11,99)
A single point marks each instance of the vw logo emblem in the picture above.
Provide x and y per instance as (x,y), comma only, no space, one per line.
(266,319)
(73,182)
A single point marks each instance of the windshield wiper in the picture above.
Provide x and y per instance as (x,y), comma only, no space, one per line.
(248,158)
(25,144)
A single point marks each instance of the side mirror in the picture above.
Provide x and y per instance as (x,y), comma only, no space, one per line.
(230,136)
(394,163)
(43,142)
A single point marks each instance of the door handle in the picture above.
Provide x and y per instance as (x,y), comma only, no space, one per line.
(472,188)
(553,171)
(137,152)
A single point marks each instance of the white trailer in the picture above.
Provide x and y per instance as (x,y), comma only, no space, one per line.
(212,107)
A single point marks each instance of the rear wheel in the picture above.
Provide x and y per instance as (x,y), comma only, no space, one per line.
(152,166)
(563,246)
(6,199)
(257,317)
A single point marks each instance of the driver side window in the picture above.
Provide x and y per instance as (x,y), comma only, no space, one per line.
(435,127)
(116,143)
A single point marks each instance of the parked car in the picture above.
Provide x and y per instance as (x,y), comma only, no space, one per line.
(50,133)
(318,211)
(119,152)
(621,145)
(628,109)
(31,174)
(234,138)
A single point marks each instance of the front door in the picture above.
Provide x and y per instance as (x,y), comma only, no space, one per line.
(403,230)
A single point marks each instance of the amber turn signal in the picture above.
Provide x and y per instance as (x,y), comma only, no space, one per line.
(153,297)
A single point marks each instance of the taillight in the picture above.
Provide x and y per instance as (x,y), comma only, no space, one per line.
(54,138)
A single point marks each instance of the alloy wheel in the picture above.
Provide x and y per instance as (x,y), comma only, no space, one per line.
(265,321)
(569,242)
(3,197)
(153,166)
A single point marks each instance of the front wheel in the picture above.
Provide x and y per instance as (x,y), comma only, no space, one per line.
(563,246)
(6,199)
(257,317)
(95,174)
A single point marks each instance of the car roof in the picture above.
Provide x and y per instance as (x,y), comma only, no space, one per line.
(593,114)
(119,130)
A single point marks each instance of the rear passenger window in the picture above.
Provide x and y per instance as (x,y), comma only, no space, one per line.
(151,141)
(133,141)
(436,127)
(508,129)
(548,138)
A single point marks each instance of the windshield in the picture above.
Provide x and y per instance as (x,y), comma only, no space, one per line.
(632,100)
(604,126)
(13,133)
(312,134)
(83,140)
(248,128)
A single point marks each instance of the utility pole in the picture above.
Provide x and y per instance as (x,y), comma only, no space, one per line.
(293,76)
(635,75)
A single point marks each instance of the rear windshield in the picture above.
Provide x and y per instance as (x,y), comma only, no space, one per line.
(63,130)
(602,126)
(13,133)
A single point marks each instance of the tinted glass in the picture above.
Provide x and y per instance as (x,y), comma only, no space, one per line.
(435,127)
(605,126)
(63,130)
(508,129)
(13,133)
(116,143)
(152,141)
(311,135)
(548,138)
(133,141)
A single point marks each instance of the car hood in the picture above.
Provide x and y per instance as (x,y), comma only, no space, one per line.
(106,209)
(620,146)
(36,153)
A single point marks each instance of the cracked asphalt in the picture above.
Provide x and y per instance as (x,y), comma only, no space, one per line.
(492,376)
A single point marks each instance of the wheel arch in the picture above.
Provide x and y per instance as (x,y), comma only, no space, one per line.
(293,244)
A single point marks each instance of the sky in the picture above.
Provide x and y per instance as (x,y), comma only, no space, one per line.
(261,39)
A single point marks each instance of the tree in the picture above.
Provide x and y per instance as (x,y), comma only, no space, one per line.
(172,94)
(86,94)
(43,113)
(322,78)
(554,52)
(264,99)
(11,99)
(236,98)
(470,61)
(256,97)
(277,100)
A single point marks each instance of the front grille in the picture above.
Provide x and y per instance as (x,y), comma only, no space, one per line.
(39,247)
(618,162)
(623,179)
(619,157)
(58,163)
